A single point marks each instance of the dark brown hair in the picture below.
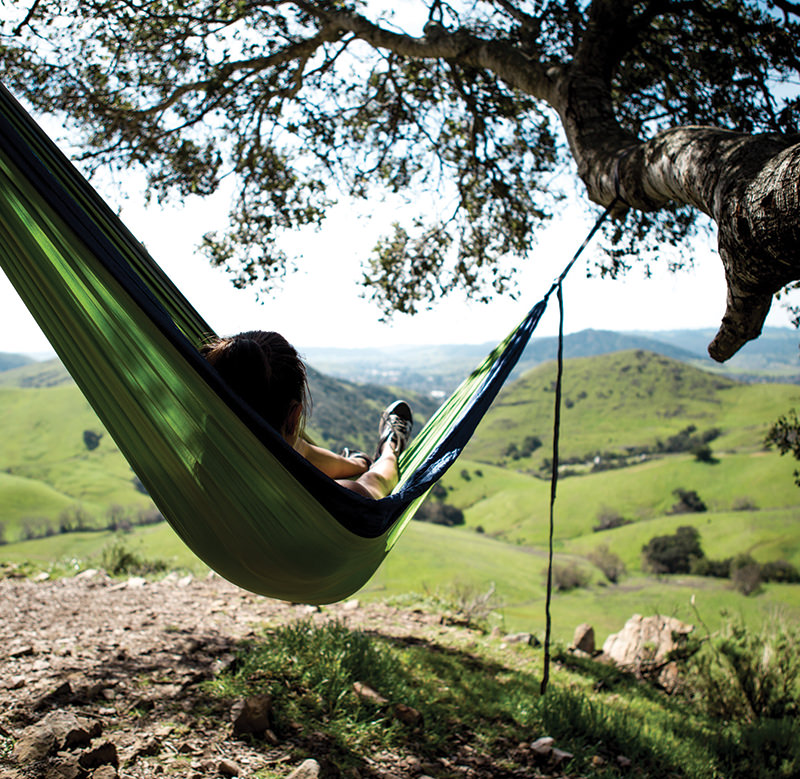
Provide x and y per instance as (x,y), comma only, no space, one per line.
(266,371)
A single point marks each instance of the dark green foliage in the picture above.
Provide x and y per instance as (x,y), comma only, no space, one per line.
(672,553)
(749,676)
(91,439)
(785,435)
(688,502)
(704,454)
(745,572)
(780,571)
(300,102)
(688,440)
(439,514)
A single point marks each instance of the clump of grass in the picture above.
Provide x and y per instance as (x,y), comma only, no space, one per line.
(117,559)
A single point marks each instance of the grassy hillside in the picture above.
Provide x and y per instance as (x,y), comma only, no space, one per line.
(48,473)
(622,402)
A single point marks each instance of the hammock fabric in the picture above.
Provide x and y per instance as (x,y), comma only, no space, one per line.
(240,498)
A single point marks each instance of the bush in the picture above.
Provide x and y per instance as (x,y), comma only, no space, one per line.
(439,514)
(780,571)
(689,502)
(703,454)
(609,563)
(608,519)
(674,553)
(568,576)
(91,439)
(747,579)
(748,676)
(117,560)
(744,504)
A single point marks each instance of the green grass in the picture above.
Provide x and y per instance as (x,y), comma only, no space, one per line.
(467,691)
(627,399)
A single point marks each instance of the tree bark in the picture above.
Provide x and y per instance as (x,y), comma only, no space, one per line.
(748,184)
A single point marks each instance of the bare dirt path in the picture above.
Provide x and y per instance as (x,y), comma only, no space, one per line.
(127,657)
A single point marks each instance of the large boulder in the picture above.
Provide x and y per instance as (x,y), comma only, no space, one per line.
(643,646)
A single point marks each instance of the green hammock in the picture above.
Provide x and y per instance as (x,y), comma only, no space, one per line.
(236,494)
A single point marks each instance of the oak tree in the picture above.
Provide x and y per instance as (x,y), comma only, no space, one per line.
(677,108)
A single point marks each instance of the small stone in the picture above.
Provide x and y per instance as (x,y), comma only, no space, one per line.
(308,769)
(519,638)
(583,638)
(559,756)
(543,746)
(623,762)
(105,772)
(351,605)
(16,682)
(368,694)
(228,768)
(252,715)
(408,715)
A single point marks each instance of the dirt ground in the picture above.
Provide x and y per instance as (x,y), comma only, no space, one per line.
(101,679)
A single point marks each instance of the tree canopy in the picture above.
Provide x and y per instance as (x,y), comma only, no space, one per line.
(676,107)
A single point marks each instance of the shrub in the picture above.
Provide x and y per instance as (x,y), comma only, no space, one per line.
(673,553)
(748,676)
(608,519)
(702,566)
(439,514)
(609,563)
(568,576)
(702,453)
(118,560)
(91,439)
(688,502)
(744,504)
(780,571)
(746,579)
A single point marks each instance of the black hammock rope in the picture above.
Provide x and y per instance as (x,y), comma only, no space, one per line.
(557,287)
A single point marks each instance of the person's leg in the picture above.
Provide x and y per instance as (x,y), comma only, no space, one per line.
(395,432)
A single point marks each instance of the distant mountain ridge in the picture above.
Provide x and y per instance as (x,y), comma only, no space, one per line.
(439,368)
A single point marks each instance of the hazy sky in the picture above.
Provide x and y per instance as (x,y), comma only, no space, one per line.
(321,305)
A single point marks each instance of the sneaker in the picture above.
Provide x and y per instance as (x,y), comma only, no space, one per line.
(395,427)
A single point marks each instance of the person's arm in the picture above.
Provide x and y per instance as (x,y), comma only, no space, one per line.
(334,465)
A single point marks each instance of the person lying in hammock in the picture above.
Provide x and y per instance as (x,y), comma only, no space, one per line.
(265,370)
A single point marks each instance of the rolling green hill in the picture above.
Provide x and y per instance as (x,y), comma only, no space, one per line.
(625,402)
(624,409)
(48,473)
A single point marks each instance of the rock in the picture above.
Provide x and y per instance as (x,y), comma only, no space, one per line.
(519,638)
(542,747)
(252,715)
(351,605)
(368,694)
(643,644)
(583,639)
(228,768)
(34,744)
(57,731)
(559,756)
(105,772)
(308,769)
(66,767)
(408,715)
(105,754)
